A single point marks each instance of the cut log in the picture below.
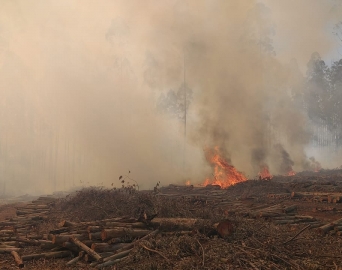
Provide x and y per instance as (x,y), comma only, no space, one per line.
(65,223)
(118,255)
(105,247)
(174,224)
(95,236)
(76,259)
(338,228)
(88,250)
(88,243)
(92,229)
(70,246)
(329,226)
(8,250)
(46,244)
(290,208)
(126,225)
(129,246)
(17,259)
(11,243)
(121,232)
(224,228)
(7,232)
(60,239)
(108,263)
(57,254)
(88,258)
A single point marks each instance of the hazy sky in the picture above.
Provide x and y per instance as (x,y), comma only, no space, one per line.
(79,82)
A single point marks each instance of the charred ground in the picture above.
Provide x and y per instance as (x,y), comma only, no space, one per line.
(277,224)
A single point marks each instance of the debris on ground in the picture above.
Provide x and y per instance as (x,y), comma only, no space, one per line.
(285,223)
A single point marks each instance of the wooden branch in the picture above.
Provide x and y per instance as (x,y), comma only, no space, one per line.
(297,234)
(155,251)
(202,252)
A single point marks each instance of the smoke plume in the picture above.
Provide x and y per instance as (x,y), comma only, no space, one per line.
(80,83)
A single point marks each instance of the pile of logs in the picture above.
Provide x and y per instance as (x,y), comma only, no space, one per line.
(318,196)
(100,243)
(281,215)
(23,228)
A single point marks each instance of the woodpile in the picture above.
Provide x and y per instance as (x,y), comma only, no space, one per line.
(99,242)
(23,229)
(180,227)
(318,196)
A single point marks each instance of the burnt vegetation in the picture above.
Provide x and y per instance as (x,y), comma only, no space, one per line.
(289,222)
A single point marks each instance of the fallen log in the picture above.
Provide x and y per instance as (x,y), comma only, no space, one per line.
(88,243)
(338,228)
(17,259)
(105,247)
(46,244)
(59,239)
(329,226)
(121,232)
(224,228)
(76,259)
(88,250)
(290,208)
(95,236)
(7,232)
(70,246)
(65,223)
(172,224)
(115,257)
(8,250)
(11,243)
(129,246)
(108,263)
(93,229)
(88,258)
(125,224)
(48,255)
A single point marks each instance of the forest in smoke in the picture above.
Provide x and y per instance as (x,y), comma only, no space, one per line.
(90,91)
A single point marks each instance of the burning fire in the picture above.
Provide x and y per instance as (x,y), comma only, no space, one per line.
(291,172)
(264,173)
(225,174)
(187,183)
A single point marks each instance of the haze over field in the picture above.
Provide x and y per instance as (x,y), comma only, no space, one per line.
(90,90)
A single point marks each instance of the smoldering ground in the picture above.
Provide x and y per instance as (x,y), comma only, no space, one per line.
(80,84)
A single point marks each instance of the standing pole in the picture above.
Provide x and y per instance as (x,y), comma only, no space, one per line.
(185,101)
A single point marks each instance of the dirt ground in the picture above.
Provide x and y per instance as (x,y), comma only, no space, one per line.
(258,241)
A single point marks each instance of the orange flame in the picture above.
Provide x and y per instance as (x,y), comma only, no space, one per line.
(264,173)
(291,173)
(187,183)
(225,174)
